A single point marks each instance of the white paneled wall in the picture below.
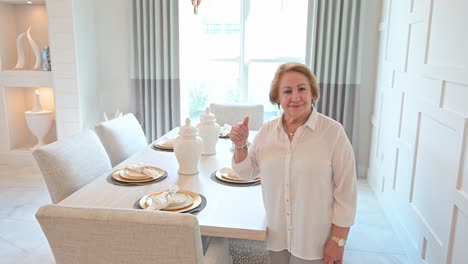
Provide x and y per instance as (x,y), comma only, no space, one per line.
(63,55)
(419,154)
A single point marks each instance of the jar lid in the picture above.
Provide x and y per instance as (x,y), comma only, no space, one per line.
(207,117)
(187,129)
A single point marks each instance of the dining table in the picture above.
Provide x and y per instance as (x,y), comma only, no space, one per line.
(231,211)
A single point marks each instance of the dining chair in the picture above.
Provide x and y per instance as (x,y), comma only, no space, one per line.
(103,235)
(233,113)
(70,163)
(121,137)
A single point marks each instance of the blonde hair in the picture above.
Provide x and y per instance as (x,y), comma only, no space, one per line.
(293,67)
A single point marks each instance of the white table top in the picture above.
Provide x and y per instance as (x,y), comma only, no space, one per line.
(234,212)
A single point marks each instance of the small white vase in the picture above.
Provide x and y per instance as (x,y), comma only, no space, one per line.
(36,50)
(209,132)
(20,50)
(39,124)
(187,148)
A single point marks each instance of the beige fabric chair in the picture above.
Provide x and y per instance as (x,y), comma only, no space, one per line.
(234,113)
(99,235)
(121,137)
(69,164)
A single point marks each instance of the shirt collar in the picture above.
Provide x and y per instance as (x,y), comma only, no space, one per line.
(311,122)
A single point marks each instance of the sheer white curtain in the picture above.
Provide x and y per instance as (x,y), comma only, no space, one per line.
(155,70)
(332,54)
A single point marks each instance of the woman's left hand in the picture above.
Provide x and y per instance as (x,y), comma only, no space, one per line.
(332,253)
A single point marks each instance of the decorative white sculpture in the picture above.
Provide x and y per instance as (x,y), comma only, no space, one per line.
(36,50)
(37,102)
(187,148)
(19,48)
(116,114)
(39,120)
(209,132)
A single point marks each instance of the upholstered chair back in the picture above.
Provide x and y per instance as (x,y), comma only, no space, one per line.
(121,137)
(69,164)
(101,235)
(233,113)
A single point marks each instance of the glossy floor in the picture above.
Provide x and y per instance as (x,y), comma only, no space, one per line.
(23,191)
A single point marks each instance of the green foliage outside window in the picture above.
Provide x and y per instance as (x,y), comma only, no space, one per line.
(198,98)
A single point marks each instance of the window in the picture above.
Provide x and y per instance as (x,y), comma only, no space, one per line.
(231,49)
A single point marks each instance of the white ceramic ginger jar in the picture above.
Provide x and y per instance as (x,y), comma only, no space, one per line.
(209,132)
(187,148)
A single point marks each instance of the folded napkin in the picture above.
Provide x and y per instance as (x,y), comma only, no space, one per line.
(163,200)
(140,170)
(225,130)
(228,173)
(168,142)
(157,202)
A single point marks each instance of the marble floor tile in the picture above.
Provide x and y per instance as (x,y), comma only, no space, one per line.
(374,238)
(360,257)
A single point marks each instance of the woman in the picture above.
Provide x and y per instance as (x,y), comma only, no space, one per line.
(308,173)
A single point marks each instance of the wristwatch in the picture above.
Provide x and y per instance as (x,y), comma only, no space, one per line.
(340,241)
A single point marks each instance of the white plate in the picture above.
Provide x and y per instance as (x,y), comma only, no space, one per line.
(133,175)
(224,131)
(161,145)
(116,175)
(228,173)
(182,199)
(124,174)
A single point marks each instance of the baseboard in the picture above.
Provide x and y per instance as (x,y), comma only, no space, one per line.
(410,249)
(362,171)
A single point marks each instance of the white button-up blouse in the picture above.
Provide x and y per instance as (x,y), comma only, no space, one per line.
(307,184)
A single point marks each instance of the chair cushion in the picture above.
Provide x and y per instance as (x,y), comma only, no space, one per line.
(234,113)
(69,164)
(121,137)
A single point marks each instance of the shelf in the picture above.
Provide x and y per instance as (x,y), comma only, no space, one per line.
(18,87)
(26,78)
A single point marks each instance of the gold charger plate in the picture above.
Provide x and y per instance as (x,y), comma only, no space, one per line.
(116,175)
(160,146)
(220,176)
(196,201)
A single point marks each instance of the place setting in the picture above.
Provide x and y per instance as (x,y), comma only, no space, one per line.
(224,131)
(172,200)
(165,144)
(228,176)
(136,175)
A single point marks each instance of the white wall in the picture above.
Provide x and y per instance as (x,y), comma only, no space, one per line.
(8,41)
(103,57)
(419,151)
(368,52)
(7,61)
